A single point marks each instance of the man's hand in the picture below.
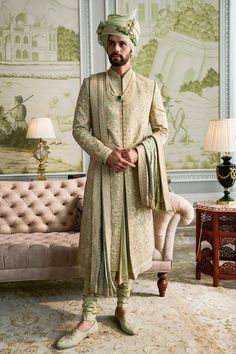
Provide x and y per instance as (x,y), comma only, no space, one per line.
(130,155)
(118,162)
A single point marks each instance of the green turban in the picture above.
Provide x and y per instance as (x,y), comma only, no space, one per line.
(124,26)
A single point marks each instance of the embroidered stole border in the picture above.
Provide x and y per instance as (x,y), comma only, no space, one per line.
(153,184)
(101,278)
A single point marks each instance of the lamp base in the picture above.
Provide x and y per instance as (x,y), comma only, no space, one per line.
(41,178)
(226,175)
(226,199)
(41,154)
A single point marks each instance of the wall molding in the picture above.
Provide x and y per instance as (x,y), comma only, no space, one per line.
(192,175)
(195,197)
(110,7)
(85,38)
(224,59)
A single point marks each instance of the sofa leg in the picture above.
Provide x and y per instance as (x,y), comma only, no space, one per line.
(162,283)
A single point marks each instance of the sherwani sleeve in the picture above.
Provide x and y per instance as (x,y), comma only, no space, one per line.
(157,117)
(82,127)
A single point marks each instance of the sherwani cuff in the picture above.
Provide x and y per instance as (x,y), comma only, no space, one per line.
(139,148)
(106,153)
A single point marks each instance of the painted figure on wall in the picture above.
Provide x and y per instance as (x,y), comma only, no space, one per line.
(19,114)
(178,119)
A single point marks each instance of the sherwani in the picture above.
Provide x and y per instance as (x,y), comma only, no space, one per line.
(117,239)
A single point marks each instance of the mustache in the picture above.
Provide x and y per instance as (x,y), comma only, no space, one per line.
(114,54)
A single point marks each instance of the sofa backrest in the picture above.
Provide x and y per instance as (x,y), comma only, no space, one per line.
(39,206)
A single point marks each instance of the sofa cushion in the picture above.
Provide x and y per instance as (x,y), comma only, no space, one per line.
(39,250)
(39,206)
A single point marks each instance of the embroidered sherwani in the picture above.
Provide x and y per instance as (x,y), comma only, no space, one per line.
(117,239)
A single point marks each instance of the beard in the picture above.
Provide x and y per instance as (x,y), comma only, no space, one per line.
(121,62)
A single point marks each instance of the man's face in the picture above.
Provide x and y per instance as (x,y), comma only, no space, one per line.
(118,50)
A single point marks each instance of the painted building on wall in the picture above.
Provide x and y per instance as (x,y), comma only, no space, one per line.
(27,41)
(181,59)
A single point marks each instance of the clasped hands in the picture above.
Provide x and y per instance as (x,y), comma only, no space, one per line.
(121,159)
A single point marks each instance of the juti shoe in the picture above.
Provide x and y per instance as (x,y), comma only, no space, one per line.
(75,337)
(126,324)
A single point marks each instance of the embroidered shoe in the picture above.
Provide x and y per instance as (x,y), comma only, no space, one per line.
(75,337)
(126,324)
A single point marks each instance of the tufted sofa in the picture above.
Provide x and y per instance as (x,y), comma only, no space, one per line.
(39,230)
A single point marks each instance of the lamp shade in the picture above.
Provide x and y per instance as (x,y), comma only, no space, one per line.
(40,128)
(221,135)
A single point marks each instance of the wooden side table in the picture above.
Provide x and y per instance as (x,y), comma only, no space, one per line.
(215,240)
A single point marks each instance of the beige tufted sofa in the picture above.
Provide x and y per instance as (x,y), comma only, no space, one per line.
(39,230)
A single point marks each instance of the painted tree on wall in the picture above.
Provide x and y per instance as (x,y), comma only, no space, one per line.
(210,80)
(68,44)
(142,63)
(195,19)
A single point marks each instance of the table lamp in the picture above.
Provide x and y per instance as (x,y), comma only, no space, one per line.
(221,137)
(41,128)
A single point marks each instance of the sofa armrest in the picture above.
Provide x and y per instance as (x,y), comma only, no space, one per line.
(165,224)
(183,207)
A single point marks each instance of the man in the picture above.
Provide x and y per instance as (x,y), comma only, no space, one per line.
(126,176)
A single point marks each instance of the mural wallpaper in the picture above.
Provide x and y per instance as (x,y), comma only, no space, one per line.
(179,47)
(39,76)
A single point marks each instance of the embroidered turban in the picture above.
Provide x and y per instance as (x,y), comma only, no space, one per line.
(124,26)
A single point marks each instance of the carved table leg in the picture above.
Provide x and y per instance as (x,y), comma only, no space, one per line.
(162,283)
(198,243)
(198,273)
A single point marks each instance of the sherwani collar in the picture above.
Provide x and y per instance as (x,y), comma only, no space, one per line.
(120,88)
(125,78)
